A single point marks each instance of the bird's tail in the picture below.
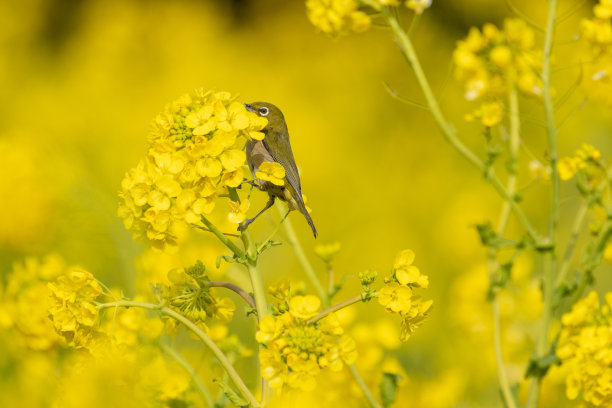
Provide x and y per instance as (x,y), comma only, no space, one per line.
(304,211)
(296,198)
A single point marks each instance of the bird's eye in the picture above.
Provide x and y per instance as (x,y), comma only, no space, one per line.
(263,111)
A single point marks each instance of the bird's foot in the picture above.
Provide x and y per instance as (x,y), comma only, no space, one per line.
(245,224)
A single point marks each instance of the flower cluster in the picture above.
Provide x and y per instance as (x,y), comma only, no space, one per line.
(598,33)
(24,302)
(337,17)
(585,347)
(397,296)
(488,60)
(192,296)
(586,159)
(196,152)
(74,313)
(295,351)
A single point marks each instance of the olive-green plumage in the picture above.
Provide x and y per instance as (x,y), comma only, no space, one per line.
(275,147)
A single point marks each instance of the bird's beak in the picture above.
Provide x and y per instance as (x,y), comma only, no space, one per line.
(249,107)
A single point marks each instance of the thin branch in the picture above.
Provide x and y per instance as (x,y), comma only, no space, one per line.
(231,371)
(335,308)
(234,288)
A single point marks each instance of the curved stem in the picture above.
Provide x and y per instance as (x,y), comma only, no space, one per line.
(222,358)
(302,259)
(234,288)
(514,144)
(181,360)
(366,391)
(447,129)
(335,308)
(569,250)
(549,260)
(222,237)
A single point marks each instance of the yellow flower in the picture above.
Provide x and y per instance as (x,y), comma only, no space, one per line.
(272,172)
(295,352)
(337,17)
(414,318)
(73,311)
(238,211)
(195,154)
(491,113)
(395,298)
(418,5)
(304,307)
(585,349)
(327,252)
(406,273)
(567,167)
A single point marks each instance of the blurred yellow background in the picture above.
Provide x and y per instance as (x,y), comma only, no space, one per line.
(82,79)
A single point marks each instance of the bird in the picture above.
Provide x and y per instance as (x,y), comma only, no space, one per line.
(275,148)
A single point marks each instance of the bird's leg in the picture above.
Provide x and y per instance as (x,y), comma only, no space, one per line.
(248,222)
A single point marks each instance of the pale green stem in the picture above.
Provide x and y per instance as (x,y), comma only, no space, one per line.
(181,360)
(222,358)
(514,143)
(366,391)
(569,250)
(302,259)
(576,227)
(225,240)
(259,290)
(550,261)
(335,308)
(448,131)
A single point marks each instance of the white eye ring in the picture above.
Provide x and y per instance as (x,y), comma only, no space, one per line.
(264,111)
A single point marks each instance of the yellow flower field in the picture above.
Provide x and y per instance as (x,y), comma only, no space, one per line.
(439,230)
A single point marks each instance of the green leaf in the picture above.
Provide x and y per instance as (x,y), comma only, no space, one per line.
(230,259)
(539,366)
(489,237)
(388,388)
(231,394)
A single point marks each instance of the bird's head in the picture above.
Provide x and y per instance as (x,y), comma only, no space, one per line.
(267,110)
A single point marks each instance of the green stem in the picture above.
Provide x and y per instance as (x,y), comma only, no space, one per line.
(181,360)
(549,260)
(224,239)
(259,290)
(222,358)
(366,391)
(514,144)
(569,250)
(448,131)
(335,308)
(302,259)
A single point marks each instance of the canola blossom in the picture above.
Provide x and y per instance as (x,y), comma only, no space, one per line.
(196,153)
(490,60)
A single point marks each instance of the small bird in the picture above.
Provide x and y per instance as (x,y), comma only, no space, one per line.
(275,147)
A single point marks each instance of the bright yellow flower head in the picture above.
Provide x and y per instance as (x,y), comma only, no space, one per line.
(272,172)
(304,307)
(196,152)
(585,349)
(418,5)
(395,298)
(337,17)
(238,211)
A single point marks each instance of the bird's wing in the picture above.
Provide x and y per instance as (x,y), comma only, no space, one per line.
(275,144)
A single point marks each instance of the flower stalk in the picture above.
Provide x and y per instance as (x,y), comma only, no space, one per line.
(221,357)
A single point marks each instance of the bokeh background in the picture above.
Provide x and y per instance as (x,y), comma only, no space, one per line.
(82,79)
